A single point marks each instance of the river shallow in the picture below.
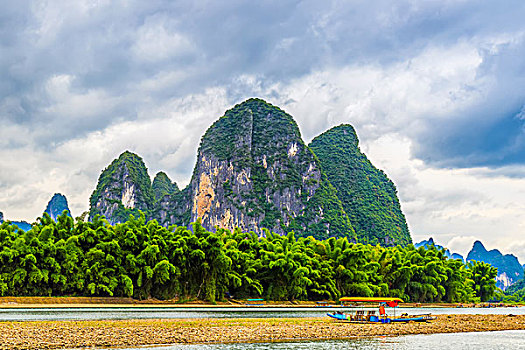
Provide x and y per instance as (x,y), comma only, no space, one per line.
(467,341)
(109,313)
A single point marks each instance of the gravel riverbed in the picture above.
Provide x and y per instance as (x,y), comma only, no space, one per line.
(125,333)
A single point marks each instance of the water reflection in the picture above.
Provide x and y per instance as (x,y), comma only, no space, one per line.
(109,313)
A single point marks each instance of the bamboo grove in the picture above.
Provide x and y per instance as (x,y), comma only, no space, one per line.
(142,260)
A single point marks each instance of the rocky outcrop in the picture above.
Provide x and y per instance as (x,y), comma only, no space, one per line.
(123,189)
(57,205)
(254,171)
(509,268)
(368,196)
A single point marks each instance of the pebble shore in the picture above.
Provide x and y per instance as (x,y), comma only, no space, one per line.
(128,333)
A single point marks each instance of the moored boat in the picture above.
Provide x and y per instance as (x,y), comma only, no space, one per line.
(371,317)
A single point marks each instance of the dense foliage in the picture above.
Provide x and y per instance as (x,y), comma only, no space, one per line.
(146,260)
(367,194)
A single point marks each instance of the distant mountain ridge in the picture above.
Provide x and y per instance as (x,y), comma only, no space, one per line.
(509,268)
(254,172)
(55,207)
(430,242)
(25,226)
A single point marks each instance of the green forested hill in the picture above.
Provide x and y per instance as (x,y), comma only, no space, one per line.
(368,196)
(254,171)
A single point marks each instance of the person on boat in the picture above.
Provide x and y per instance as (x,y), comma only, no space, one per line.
(382,312)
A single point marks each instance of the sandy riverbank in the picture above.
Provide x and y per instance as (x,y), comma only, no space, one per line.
(79,334)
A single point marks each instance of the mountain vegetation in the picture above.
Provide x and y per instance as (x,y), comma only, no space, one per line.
(516,292)
(144,259)
(162,186)
(368,196)
(254,171)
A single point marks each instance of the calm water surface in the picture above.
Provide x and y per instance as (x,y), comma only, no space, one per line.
(465,341)
(108,313)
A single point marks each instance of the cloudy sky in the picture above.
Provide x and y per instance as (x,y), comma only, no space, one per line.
(435,90)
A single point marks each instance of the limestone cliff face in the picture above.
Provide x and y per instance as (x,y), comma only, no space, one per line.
(123,188)
(174,209)
(57,205)
(254,171)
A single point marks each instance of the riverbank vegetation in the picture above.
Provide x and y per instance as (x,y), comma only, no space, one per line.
(142,259)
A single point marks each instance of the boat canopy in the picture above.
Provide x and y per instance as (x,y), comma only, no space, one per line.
(370,299)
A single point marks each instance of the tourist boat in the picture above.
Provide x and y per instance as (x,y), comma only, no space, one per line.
(322,304)
(255,302)
(371,317)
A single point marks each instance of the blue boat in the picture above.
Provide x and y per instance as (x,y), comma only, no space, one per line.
(255,302)
(370,317)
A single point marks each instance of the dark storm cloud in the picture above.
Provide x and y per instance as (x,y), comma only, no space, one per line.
(490,133)
(71,68)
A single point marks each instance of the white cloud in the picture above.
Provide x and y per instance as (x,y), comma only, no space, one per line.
(461,244)
(454,206)
(158,40)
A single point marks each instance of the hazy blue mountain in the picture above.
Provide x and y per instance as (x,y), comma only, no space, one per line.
(509,269)
(430,242)
(57,205)
(23,225)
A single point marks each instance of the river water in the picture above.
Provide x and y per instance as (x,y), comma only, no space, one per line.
(464,341)
(514,340)
(118,313)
